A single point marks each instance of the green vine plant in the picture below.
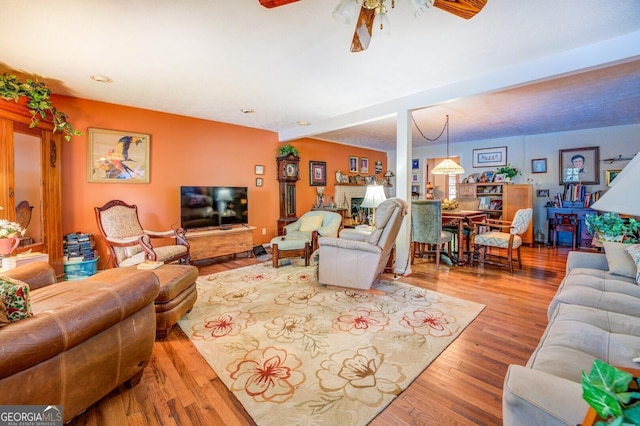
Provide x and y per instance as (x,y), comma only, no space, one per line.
(39,102)
(287,149)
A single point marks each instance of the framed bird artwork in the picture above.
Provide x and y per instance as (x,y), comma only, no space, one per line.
(118,157)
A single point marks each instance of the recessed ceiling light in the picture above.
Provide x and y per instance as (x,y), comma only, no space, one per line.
(247,111)
(303,123)
(101,78)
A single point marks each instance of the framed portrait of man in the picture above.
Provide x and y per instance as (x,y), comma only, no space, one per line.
(580,165)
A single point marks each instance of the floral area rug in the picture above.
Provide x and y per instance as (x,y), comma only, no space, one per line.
(293,351)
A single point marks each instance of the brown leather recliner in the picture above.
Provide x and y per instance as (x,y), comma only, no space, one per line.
(85,339)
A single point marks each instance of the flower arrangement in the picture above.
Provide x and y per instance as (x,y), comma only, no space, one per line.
(10,229)
(449,204)
(509,171)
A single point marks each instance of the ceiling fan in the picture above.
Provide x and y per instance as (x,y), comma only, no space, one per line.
(373,20)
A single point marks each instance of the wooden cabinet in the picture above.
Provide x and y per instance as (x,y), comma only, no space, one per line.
(501,200)
(43,161)
(217,242)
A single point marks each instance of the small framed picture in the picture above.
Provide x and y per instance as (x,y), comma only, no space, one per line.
(610,176)
(258,181)
(499,177)
(488,176)
(353,164)
(378,166)
(317,173)
(259,169)
(415,178)
(490,157)
(542,193)
(364,165)
(415,164)
(539,165)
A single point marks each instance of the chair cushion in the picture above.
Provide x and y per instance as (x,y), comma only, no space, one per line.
(620,262)
(497,239)
(634,251)
(310,223)
(290,242)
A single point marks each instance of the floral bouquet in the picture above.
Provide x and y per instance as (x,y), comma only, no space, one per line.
(10,229)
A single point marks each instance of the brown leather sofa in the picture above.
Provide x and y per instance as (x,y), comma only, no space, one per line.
(85,339)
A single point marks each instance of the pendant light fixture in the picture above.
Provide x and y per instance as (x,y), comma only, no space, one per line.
(447,166)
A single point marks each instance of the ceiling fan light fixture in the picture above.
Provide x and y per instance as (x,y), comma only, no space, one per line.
(421,6)
(381,26)
(346,12)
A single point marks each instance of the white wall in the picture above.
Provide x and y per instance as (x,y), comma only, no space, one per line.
(613,141)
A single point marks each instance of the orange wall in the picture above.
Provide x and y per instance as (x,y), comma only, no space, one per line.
(187,151)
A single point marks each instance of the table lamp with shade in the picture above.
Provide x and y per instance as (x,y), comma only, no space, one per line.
(624,192)
(372,199)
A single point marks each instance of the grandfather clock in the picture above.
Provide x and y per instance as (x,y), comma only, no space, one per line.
(288,175)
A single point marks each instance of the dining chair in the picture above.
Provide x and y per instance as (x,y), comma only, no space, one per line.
(565,222)
(471,204)
(426,229)
(501,234)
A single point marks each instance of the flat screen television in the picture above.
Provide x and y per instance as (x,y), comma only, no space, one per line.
(213,206)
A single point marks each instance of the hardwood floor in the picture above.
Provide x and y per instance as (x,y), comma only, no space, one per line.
(463,386)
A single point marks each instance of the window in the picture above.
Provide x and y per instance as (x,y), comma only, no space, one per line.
(451,186)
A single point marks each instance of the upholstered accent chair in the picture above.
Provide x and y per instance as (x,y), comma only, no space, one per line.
(358,263)
(426,229)
(130,244)
(314,224)
(501,235)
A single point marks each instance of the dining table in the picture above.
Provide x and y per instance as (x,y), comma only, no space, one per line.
(458,219)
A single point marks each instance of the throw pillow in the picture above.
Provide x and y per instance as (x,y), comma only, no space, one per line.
(3,315)
(620,262)
(310,223)
(15,296)
(634,251)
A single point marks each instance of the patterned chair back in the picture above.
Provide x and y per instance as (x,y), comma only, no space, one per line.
(521,221)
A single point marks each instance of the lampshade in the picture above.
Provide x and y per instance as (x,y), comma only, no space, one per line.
(624,192)
(373,197)
(447,167)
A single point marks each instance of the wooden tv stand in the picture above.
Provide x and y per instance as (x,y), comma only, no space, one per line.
(208,243)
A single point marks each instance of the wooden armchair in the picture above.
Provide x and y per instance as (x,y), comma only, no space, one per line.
(130,244)
(501,234)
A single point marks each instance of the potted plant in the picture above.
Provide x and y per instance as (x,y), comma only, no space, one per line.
(509,171)
(612,394)
(38,100)
(286,150)
(611,227)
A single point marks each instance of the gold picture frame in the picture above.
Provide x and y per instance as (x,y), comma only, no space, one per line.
(115,156)
(610,175)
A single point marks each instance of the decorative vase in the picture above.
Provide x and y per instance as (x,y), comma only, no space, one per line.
(7,245)
(613,238)
(339,176)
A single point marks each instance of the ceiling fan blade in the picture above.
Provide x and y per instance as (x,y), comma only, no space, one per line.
(364,29)
(466,9)
(275,3)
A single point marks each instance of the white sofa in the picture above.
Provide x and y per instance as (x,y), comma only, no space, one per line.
(594,314)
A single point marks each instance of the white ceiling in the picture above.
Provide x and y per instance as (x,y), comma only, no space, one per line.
(210,59)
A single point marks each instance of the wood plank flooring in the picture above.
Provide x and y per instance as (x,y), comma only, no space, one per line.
(463,386)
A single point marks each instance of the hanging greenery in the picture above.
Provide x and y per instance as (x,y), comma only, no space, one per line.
(38,101)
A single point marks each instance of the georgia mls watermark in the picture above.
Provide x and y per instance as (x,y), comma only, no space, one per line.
(31,415)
